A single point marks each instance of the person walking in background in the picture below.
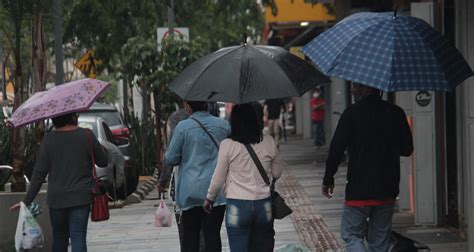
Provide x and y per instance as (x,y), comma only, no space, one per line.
(272,109)
(168,174)
(249,219)
(194,149)
(317,104)
(64,157)
(376,134)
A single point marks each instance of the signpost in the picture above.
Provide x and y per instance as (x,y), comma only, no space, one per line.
(164,32)
(88,63)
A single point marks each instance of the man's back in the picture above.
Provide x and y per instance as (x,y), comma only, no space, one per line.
(195,153)
(376,134)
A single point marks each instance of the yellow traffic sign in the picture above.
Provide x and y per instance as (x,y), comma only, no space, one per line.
(88,63)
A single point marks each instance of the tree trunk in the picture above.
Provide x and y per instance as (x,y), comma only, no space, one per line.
(38,53)
(18,137)
(158,127)
(125,110)
(145,103)
(39,64)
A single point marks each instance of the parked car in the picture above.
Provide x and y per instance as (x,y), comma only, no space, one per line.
(114,173)
(119,130)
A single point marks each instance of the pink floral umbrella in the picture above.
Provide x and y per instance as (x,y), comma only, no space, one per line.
(66,98)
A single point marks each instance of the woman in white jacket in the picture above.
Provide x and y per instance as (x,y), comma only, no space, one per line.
(248,219)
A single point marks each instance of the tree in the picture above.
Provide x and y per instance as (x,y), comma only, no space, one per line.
(175,55)
(153,70)
(15,13)
(220,23)
(24,41)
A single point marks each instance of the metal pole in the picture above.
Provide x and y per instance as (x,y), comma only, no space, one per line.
(58,40)
(170,18)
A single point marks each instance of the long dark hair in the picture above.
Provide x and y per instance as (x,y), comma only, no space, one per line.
(244,125)
(63,120)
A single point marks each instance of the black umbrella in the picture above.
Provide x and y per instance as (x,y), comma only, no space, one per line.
(246,73)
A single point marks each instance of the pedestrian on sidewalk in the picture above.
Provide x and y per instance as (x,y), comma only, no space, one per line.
(272,109)
(194,148)
(317,104)
(64,155)
(375,134)
(168,174)
(249,219)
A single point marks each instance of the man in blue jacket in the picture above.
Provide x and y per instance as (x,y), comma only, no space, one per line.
(194,148)
(375,134)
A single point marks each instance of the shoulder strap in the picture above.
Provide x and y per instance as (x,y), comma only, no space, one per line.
(91,147)
(258,164)
(209,134)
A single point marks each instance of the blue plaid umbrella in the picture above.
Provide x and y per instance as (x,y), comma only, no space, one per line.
(388,52)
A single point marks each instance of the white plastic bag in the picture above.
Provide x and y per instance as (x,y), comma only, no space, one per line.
(163,215)
(28,232)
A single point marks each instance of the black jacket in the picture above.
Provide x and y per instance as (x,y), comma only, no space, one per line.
(376,134)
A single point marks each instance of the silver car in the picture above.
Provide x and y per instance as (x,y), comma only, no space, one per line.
(113,173)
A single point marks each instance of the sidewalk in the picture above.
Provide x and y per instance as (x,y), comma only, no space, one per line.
(308,164)
(314,223)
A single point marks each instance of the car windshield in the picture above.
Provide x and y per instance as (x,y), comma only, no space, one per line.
(110,117)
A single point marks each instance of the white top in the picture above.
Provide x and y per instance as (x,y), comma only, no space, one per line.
(238,174)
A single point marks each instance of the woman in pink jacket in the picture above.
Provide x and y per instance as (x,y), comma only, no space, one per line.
(248,219)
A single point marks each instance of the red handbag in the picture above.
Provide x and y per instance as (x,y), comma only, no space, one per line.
(100,201)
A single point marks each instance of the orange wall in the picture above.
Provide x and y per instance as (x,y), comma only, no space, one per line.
(297,11)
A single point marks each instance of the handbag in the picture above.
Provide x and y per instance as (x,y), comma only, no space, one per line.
(100,200)
(279,207)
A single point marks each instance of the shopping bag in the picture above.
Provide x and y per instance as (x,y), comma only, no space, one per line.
(28,232)
(163,215)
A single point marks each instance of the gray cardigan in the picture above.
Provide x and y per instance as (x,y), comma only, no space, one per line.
(65,156)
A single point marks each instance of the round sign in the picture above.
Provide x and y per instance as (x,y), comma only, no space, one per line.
(423,98)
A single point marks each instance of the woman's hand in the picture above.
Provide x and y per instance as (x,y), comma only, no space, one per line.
(15,207)
(207,206)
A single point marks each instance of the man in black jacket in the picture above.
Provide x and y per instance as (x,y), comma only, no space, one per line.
(375,134)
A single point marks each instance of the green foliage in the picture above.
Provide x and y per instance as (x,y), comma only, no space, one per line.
(5,157)
(140,59)
(106,26)
(220,23)
(175,55)
(110,95)
(142,141)
(34,134)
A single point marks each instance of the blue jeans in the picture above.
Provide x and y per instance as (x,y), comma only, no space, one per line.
(318,133)
(68,223)
(249,225)
(370,223)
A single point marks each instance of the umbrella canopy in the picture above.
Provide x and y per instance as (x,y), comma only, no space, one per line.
(246,73)
(388,52)
(59,100)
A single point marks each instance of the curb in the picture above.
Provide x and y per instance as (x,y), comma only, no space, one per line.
(143,190)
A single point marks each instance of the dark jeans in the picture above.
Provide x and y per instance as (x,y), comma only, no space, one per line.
(68,223)
(195,219)
(318,133)
(250,225)
(370,223)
